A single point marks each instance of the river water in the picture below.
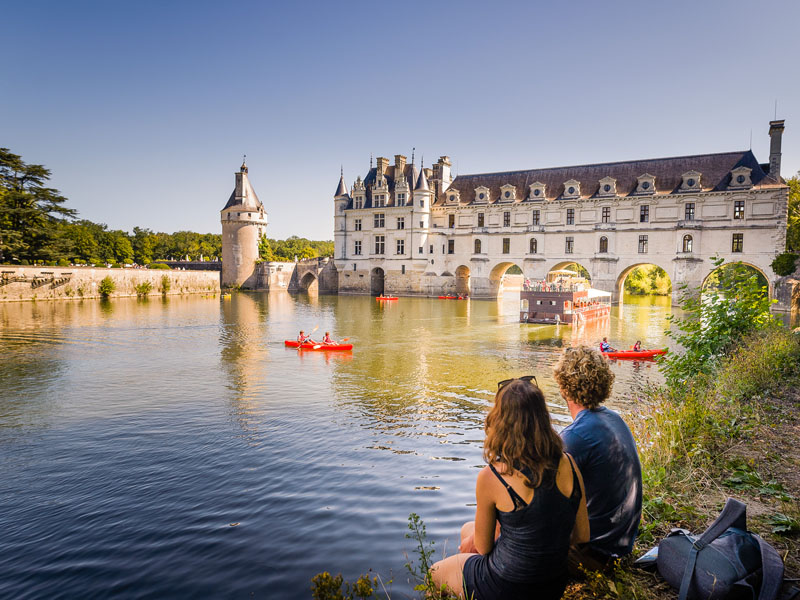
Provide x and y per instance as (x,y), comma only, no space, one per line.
(176,448)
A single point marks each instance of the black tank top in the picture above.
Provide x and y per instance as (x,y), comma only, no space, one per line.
(534,538)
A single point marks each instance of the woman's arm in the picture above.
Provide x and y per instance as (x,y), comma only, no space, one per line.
(485,513)
(580,533)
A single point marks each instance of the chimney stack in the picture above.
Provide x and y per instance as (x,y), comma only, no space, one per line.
(775,135)
(399,166)
(382,163)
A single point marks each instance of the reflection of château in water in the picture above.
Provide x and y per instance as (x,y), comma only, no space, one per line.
(562,297)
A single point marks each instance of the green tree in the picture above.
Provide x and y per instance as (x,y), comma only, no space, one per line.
(265,249)
(30,212)
(144,243)
(793,217)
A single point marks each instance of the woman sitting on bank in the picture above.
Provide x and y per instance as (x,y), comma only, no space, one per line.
(534,492)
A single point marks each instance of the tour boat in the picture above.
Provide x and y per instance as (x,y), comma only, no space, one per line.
(634,354)
(563,298)
(317,346)
(379,298)
(451,298)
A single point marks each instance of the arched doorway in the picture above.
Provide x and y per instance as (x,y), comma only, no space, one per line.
(376,282)
(644,279)
(309,283)
(462,281)
(716,278)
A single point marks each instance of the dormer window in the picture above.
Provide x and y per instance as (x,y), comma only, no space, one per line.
(740,178)
(608,187)
(508,193)
(691,182)
(647,184)
(453,197)
(481,195)
(536,191)
(572,189)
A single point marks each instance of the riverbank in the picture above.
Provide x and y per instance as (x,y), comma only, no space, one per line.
(70,283)
(730,434)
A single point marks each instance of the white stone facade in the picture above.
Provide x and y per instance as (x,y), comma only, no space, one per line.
(462,235)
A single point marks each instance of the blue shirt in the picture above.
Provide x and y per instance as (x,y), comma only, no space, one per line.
(605,452)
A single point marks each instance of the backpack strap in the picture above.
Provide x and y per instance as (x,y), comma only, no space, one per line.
(733,515)
(771,570)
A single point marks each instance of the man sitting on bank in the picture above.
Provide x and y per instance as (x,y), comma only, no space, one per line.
(605,452)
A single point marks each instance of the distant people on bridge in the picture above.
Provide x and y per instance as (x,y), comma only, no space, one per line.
(530,506)
(605,346)
(605,452)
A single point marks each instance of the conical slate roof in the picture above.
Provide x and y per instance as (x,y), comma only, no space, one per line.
(422,182)
(342,189)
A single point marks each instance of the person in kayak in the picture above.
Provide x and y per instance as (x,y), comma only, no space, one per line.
(637,347)
(605,452)
(533,491)
(326,339)
(605,346)
(304,339)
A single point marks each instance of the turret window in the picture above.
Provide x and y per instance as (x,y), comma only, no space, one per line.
(687,243)
(603,245)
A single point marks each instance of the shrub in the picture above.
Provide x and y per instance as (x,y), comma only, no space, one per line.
(154,265)
(116,266)
(107,286)
(63,262)
(165,284)
(715,320)
(143,288)
(784,264)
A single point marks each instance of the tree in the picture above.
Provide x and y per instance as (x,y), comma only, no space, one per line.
(793,218)
(144,242)
(30,213)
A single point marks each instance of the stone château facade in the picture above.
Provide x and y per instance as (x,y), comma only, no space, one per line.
(409,231)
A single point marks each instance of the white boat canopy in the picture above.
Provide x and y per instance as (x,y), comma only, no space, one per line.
(593,293)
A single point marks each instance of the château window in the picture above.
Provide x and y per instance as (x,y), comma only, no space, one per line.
(536,217)
(642,244)
(606,214)
(687,243)
(477,246)
(401,246)
(534,246)
(603,245)
(738,242)
(422,202)
(506,245)
(401,222)
(421,249)
(380,201)
(357,248)
(688,211)
(403,269)
(358,203)
(422,224)
(430,249)
(378,220)
(480,220)
(569,245)
(644,214)
(451,220)
(401,199)
(357,224)
(506,219)
(570,216)
(738,209)
(451,246)
(379,244)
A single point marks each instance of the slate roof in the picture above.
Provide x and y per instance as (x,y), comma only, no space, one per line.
(342,189)
(410,173)
(714,168)
(250,197)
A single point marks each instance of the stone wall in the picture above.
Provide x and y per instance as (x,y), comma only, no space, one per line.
(64,283)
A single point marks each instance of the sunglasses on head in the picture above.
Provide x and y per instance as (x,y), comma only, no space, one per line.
(505,382)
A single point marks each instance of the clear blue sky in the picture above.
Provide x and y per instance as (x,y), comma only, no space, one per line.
(143,109)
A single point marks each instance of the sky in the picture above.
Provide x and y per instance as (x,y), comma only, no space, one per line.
(143,110)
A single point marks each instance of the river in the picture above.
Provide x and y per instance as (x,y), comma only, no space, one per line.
(176,448)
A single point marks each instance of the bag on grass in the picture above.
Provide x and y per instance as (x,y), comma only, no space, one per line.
(726,561)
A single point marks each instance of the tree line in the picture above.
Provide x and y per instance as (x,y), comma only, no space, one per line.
(37,227)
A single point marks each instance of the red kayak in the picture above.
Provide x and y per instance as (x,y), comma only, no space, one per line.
(379,298)
(295,344)
(450,298)
(634,354)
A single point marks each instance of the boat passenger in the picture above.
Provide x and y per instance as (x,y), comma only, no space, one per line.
(326,339)
(605,452)
(605,346)
(304,339)
(637,347)
(530,506)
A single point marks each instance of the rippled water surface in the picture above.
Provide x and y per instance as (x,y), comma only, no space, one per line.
(178,449)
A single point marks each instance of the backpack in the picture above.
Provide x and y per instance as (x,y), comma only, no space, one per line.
(726,561)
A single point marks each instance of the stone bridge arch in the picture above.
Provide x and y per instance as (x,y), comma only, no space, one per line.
(309,283)
(762,271)
(619,286)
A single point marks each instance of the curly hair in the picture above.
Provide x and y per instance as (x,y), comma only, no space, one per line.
(519,432)
(584,376)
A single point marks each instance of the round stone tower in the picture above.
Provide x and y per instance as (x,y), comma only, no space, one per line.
(244,221)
